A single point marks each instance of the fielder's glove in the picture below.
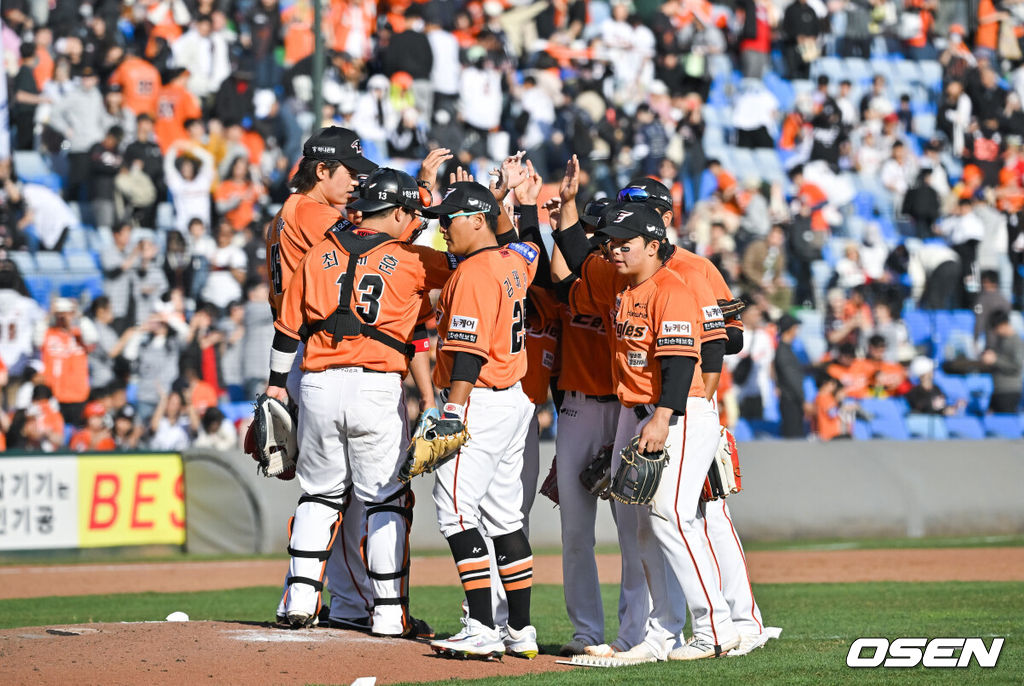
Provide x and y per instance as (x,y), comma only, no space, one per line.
(731,309)
(549,488)
(435,442)
(271,438)
(596,477)
(637,478)
(724,476)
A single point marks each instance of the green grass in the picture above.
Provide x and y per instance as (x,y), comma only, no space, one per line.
(175,554)
(819,622)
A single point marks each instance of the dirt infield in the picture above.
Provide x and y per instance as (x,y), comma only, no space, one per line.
(175,653)
(248,652)
(773,567)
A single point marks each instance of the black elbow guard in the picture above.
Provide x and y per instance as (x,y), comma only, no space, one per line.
(711,354)
(564,287)
(575,246)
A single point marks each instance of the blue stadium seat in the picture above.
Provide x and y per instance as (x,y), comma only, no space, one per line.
(742,431)
(24,261)
(31,167)
(931,73)
(919,326)
(979,387)
(51,264)
(889,427)
(954,387)
(810,389)
(857,70)
(930,426)
(861,430)
(763,428)
(883,408)
(1003,425)
(77,239)
(924,125)
(908,70)
(965,426)
(39,288)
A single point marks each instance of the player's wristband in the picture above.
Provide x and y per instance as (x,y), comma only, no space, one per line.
(453,411)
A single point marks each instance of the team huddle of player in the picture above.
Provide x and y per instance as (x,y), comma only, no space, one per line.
(629,327)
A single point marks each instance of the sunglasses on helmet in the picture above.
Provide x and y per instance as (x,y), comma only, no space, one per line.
(446,219)
(633,194)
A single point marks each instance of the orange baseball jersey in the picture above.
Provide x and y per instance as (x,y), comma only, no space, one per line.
(482,310)
(656,318)
(175,106)
(390,281)
(543,325)
(140,83)
(301,223)
(586,354)
(705,267)
(603,282)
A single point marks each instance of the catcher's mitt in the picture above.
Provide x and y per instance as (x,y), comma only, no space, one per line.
(596,477)
(637,478)
(724,476)
(271,438)
(549,488)
(731,309)
(436,441)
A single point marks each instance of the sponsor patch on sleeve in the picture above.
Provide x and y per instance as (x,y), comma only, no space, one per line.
(711,326)
(462,336)
(548,359)
(528,252)
(453,261)
(712,312)
(635,358)
(676,329)
(461,323)
(675,340)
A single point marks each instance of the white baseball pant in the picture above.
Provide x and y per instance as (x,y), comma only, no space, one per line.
(351,594)
(584,427)
(352,425)
(482,487)
(671,530)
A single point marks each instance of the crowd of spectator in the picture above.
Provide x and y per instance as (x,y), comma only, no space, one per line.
(174,126)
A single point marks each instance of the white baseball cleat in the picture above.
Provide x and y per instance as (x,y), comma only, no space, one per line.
(521,643)
(639,654)
(699,648)
(301,620)
(475,640)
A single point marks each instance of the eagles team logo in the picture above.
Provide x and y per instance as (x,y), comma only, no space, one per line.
(357,146)
(622,216)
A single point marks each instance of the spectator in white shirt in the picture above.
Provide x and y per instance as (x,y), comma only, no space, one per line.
(227,270)
(446,69)
(19,315)
(188,178)
(205,54)
(375,118)
(480,95)
(172,423)
(897,173)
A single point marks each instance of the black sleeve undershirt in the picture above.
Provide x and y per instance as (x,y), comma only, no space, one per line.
(564,287)
(529,232)
(735,343)
(711,354)
(676,376)
(575,246)
(466,366)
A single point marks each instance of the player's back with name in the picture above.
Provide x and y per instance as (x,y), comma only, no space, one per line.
(482,311)
(300,224)
(390,281)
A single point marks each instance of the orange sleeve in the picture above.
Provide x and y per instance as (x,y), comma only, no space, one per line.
(291,317)
(676,318)
(472,313)
(437,266)
(594,292)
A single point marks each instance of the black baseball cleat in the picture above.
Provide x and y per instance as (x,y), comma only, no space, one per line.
(418,630)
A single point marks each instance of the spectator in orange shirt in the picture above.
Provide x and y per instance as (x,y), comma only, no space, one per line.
(95,437)
(810,200)
(175,106)
(876,377)
(200,395)
(831,421)
(844,370)
(66,361)
(236,196)
(39,426)
(139,81)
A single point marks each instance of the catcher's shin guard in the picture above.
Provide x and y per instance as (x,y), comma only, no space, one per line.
(386,552)
(312,531)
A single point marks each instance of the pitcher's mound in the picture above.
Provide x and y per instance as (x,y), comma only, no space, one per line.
(229,653)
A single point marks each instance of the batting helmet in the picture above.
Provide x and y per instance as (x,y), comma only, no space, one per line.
(386,188)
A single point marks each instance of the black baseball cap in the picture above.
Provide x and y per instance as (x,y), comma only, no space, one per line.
(656,192)
(466,196)
(335,144)
(386,188)
(632,219)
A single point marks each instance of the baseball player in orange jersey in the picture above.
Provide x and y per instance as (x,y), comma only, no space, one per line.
(586,423)
(356,298)
(481,360)
(723,540)
(328,172)
(658,319)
